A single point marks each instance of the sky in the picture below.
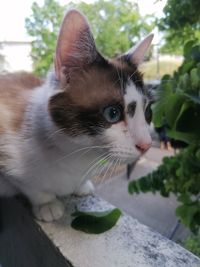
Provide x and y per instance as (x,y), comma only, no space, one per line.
(14,12)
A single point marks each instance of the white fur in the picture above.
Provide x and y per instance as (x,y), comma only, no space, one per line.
(125,136)
(138,127)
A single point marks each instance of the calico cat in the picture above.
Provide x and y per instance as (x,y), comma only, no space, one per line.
(89,108)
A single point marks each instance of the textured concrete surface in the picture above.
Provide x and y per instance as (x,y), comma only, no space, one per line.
(128,244)
(154,211)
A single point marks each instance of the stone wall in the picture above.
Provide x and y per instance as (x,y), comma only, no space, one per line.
(128,244)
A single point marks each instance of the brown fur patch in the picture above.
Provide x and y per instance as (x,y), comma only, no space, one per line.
(79,109)
(88,91)
(15,90)
(96,87)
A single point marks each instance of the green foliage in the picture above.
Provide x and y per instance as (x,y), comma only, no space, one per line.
(181,13)
(44,25)
(179,98)
(95,222)
(116,27)
(179,175)
(180,24)
(178,108)
(192,243)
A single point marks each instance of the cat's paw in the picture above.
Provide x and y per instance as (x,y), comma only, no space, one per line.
(50,211)
(86,189)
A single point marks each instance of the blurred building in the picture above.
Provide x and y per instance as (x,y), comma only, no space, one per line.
(15,56)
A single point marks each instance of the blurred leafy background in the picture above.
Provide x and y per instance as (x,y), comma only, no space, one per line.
(116,25)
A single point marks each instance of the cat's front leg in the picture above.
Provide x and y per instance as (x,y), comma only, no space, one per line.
(87,188)
(46,207)
(50,211)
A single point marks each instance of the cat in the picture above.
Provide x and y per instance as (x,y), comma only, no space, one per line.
(53,132)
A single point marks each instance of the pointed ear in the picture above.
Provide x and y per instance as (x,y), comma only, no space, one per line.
(136,54)
(75,45)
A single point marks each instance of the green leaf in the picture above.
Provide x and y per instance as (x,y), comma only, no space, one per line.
(165,92)
(91,213)
(195,53)
(185,81)
(186,213)
(95,222)
(171,113)
(194,98)
(144,184)
(164,193)
(194,77)
(184,108)
(185,137)
(187,48)
(189,119)
(184,198)
(198,154)
(133,187)
(187,66)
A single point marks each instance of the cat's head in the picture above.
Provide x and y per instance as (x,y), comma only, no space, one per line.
(103,100)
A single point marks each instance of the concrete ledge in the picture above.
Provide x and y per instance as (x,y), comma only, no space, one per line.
(128,244)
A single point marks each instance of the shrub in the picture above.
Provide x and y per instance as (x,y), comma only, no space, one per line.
(178,108)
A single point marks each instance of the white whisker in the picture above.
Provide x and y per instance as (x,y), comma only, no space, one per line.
(102,167)
(96,162)
(114,167)
(81,149)
(104,176)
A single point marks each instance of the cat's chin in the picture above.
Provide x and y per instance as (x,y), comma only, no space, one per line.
(129,160)
(126,159)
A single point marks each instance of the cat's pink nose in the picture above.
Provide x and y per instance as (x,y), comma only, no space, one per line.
(143,147)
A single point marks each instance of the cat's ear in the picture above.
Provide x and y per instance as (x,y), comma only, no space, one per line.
(137,53)
(75,45)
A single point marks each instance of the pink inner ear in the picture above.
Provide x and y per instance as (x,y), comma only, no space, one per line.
(74,43)
(57,65)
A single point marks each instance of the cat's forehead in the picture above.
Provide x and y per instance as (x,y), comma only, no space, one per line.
(132,94)
(95,86)
(129,72)
(106,84)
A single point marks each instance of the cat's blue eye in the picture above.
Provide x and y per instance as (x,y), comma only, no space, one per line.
(112,114)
